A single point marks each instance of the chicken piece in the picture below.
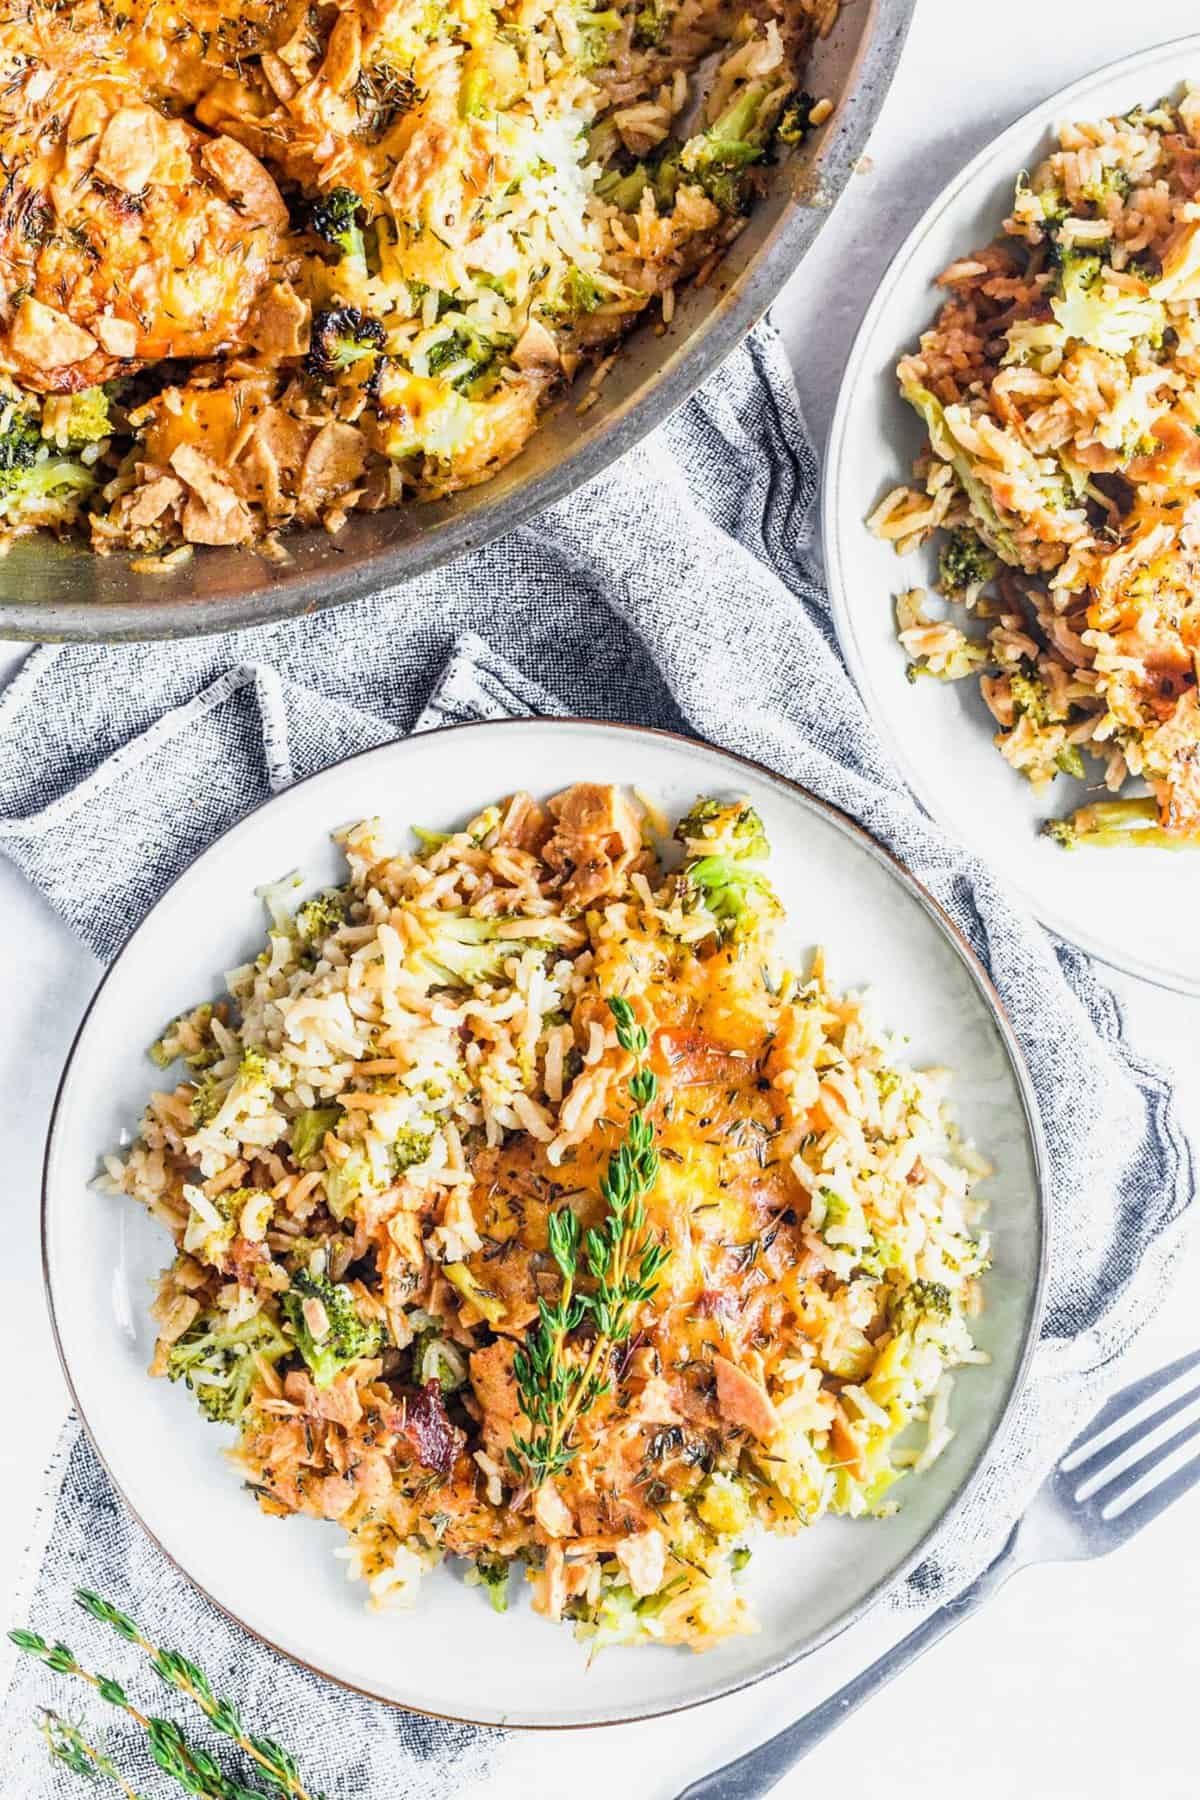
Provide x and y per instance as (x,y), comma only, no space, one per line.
(744,1402)
(644,1559)
(338,1404)
(596,840)
(552,1513)
(524,825)
(690,1059)
(495,1388)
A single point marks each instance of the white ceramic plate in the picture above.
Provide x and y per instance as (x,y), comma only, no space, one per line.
(1135,909)
(453,1655)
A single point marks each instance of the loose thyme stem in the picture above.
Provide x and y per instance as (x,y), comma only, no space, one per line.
(278,1766)
(67,1745)
(554,1392)
(186,1763)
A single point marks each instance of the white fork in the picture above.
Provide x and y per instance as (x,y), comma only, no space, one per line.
(1073,1515)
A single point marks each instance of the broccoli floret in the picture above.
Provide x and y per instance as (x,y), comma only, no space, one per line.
(1117,824)
(344,1183)
(1069,761)
(208,1097)
(410,1147)
(581,292)
(334,218)
(596,31)
(466,358)
(341,337)
(491,1574)
(1108,320)
(220,1363)
(1030,697)
(727,828)
(309,1128)
(464,951)
(989,525)
(652,26)
(322,914)
(624,191)
(965,563)
(328,1331)
(719,157)
(795,121)
(918,1303)
(34,482)
(88,419)
(737,896)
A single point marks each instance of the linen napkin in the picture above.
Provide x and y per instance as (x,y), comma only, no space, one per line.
(681,588)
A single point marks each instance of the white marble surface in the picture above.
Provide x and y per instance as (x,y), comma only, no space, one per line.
(1077,1682)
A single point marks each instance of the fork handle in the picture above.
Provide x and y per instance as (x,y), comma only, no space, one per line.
(756,1773)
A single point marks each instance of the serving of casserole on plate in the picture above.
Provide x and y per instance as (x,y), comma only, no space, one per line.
(1045,395)
(544,1208)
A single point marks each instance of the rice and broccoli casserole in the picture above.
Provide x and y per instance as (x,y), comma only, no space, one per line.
(1060,387)
(266,262)
(530,1210)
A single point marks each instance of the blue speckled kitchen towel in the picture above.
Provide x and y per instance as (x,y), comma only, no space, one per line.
(680,589)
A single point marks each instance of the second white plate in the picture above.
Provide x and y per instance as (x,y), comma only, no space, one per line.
(1135,909)
(453,1655)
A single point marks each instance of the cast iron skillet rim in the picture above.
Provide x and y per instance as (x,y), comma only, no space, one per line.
(970,1482)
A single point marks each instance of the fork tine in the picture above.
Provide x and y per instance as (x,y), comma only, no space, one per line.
(1124,1401)
(1121,1483)
(1082,1472)
(1155,1501)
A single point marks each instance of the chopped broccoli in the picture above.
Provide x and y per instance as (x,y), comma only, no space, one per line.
(33,482)
(740,1558)
(624,191)
(718,158)
(596,31)
(328,1331)
(435,1358)
(918,1303)
(475,87)
(965,563)
(491,1573)
(410,1147)
(737,896)
(1106,318)
(487,1304)
(466,358)
(88,419)
(309,1128)
(1118,824)
(208,1097)
(1070,762)
(652,25)
(220,1363)
(344,1183)
(1030,697)
(334,218)
(795,121)
(322,914)
(342,336)
(580,291)
(988,523)
(728,828)
(464,951)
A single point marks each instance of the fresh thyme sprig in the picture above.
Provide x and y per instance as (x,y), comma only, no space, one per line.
(68,1745)
(186,1762)
(625,1263)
